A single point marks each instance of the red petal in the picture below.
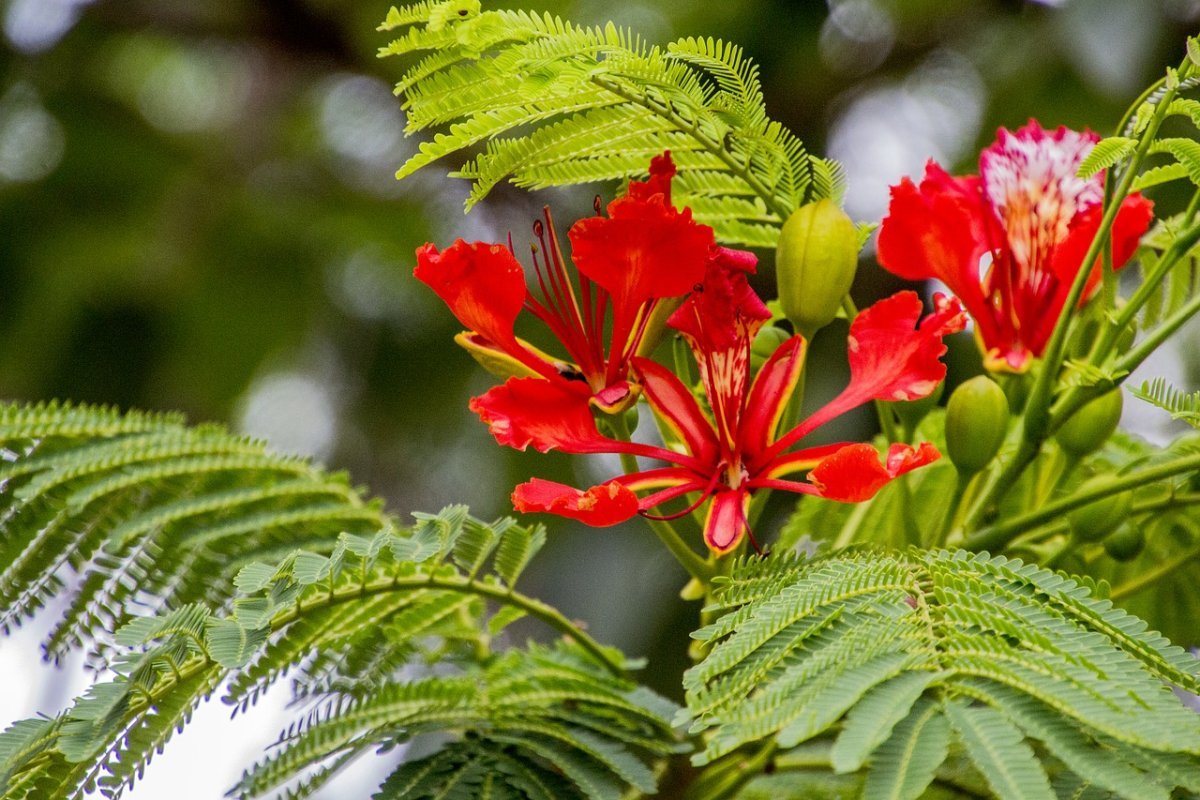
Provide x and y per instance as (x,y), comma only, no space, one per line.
(769,398)
(662,170)
(483,284)
(532,411)
(854,473)
(726,522)
(552,415)
(939,230)
(889,360)
(724,309)
(600,506)
(1132,220)
(645,249)
(676,406)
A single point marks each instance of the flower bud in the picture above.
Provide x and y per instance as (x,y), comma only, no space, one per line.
(1126,544)
(765,344)
(1097,519)
(1091,425)
(976,423)
(815,262)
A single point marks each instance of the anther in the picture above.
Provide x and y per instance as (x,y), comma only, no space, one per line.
(597,204)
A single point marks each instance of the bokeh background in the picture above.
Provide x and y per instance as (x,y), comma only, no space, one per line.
(197,212)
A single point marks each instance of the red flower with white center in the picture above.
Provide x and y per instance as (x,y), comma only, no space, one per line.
(1009,242)
(644,252)
(734,452)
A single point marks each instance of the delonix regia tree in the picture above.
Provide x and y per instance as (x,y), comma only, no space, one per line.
(947,611)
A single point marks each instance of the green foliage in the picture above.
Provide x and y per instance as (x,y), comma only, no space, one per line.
(903,659)
(563,718)
(1179,404)
(559,104)
(891,518)
(144,511)
(1106,153)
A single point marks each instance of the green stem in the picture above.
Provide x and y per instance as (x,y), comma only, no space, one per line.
(1152,576)
(997,536)
(697,567)
(1168,501)
(1037,409)
(534,608)
(1037,418)
(712,144)
(947,524)
(729,780)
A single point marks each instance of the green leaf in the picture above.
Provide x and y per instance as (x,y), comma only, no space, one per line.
(998,750)
(905,765)
(558,104)
(877,642)
(1105,154)
(870,723)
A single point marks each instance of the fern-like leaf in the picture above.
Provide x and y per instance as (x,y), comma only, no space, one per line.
(345,621)
(142,510)
(1176,402)
(556,104)
(911,653)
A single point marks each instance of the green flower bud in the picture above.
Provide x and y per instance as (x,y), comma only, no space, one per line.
(765,343)
(815,263)
(976,423)
(1097,519)
(1126,544)
(1091,425)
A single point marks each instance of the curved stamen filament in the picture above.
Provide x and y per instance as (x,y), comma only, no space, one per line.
(704,495)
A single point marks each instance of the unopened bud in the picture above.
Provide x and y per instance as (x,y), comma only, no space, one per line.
(1090,426)
(765,344)
(1125,544)
(976,423)
(815,262)
(1097,519)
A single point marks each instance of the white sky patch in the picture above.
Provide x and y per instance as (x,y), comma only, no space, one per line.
(34,26)
(296,412)
(891,130)
(32,140)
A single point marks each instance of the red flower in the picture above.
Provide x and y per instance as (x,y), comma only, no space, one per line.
(734,452)
(643,252)
(1009,242)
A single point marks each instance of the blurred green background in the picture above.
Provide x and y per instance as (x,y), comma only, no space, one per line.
(197,212)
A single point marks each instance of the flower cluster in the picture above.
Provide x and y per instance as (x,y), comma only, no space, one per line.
(643,263)
(1010,241)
